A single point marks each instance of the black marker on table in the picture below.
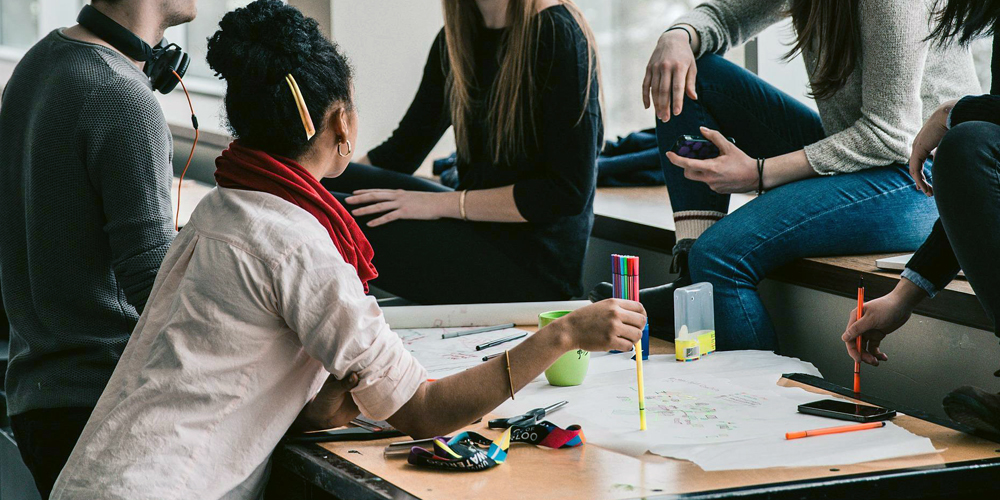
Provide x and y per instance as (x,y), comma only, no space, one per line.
(494,343)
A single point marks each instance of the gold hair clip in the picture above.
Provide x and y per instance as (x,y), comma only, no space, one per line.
(301,104)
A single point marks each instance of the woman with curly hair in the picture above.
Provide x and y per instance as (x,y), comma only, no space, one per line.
(261,298)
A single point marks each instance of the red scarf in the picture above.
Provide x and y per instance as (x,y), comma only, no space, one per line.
(240,167)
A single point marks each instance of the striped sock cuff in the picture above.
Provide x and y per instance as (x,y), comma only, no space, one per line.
(690,224)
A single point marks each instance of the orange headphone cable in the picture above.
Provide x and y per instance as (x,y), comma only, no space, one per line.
(197,133)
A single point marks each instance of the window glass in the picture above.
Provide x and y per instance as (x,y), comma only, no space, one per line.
(201,29)
(626,33)
(19,23)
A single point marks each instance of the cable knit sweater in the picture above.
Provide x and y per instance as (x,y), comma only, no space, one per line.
(899,80)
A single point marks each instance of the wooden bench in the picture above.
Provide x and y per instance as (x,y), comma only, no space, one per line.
(642,217)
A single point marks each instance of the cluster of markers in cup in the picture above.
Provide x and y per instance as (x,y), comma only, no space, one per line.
(694,322)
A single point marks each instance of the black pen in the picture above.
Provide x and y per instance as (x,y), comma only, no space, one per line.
(494,343)
(491,356)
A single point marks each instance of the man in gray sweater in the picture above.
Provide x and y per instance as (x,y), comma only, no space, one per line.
(85,174)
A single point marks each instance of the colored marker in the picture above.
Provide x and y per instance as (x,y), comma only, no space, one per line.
(625,274)
(477,330)
(861,312)
(634,295)
(494,343)
(834,430)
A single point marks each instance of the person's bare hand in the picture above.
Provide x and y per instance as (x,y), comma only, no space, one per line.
(609,325)
(670,74)
(926,142)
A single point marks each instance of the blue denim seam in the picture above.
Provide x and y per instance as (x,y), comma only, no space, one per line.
(922,282)
(748,252)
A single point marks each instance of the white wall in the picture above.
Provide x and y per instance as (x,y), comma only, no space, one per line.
(387,42)
(789,77)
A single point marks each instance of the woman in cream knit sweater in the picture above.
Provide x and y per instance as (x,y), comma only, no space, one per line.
(830,183)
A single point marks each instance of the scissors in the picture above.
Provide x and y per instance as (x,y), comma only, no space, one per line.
(527,418)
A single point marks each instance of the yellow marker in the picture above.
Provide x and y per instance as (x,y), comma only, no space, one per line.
(642,392)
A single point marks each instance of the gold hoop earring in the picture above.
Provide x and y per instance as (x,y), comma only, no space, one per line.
(350,149)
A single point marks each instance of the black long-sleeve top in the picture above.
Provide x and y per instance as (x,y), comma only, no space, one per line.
(554,181)
(935,264)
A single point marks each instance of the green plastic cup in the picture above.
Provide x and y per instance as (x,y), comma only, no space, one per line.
(571,368)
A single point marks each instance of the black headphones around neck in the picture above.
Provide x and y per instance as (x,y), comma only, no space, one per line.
(161,61)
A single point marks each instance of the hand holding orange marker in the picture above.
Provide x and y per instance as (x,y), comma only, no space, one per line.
(861,312)
(834,430)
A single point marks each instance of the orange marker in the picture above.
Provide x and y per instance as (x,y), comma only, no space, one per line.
(861,312)
(834,430)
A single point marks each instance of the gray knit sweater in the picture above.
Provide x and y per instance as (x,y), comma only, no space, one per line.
(899,81)
(85,217)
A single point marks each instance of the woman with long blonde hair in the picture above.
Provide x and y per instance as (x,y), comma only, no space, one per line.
(519,82)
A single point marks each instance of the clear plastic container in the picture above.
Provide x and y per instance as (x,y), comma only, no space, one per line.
(694,321)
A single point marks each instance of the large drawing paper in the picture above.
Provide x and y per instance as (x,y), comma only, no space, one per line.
(462,315)
(722,412)
(443,357)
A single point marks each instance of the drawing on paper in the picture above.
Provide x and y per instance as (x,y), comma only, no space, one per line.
(443,357)
(688,408)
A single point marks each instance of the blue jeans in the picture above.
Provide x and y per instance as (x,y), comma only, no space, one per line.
(873,211)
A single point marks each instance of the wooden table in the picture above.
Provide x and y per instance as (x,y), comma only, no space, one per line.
(358,470)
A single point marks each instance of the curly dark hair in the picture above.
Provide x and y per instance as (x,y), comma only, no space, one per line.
(255,47)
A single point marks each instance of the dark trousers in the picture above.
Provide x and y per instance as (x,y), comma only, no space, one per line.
(45,438)
(967,190)
(443,261)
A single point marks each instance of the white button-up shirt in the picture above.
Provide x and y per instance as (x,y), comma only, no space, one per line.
(252,308)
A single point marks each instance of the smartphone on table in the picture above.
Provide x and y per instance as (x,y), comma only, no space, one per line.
(843,410)
(697,147)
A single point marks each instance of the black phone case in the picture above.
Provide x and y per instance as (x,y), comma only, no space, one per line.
(819,412)
(697,147)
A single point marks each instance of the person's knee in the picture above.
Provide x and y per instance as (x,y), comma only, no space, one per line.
(712,65)
(967,152)
(710,260)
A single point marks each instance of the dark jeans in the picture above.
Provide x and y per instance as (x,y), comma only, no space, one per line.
(967,191)
(45,438)
(873,211)
(444,261)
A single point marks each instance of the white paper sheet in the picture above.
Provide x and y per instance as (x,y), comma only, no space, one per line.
(520,313)
(722,412)
(443,357)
